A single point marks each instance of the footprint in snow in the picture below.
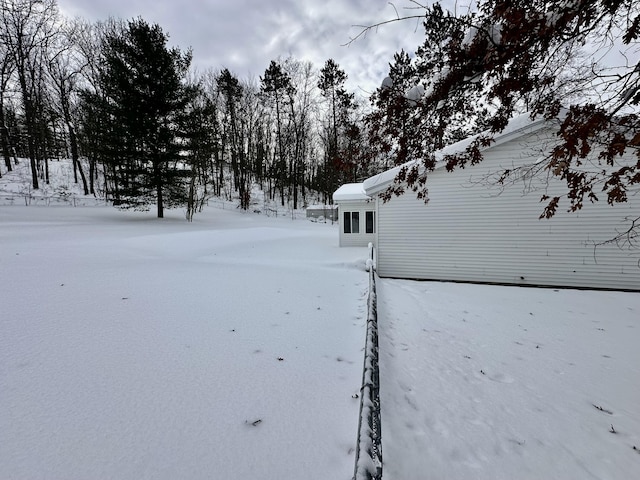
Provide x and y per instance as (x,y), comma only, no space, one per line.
(501,378)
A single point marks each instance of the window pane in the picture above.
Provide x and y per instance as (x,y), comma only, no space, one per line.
(355,222)
(347,222)
(370,223)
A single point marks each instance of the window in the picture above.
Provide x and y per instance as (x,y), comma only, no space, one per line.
(351,222)
(370,222)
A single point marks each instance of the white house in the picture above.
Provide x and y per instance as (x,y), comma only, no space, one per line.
(356,215)
(475,230)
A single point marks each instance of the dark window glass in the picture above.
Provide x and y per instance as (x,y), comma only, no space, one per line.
(370,218)
(347,222)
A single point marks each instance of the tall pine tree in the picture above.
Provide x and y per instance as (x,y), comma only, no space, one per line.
(142,97)
(277,88)
(340,131)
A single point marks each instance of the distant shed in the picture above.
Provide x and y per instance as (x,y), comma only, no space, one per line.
(356,215)
(328,212)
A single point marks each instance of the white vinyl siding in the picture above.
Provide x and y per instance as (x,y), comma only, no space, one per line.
(470,232)
(353,225)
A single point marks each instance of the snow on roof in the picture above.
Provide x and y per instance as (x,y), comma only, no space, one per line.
(516,127)
(377,182)
(350,191)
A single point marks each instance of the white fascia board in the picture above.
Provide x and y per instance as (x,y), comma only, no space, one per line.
(350,192)
(517,127)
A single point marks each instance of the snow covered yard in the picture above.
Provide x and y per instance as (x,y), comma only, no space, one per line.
(491,382)
(133,348)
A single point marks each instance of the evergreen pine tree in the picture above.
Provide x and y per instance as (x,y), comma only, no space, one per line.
(277,87)
(142,97)
(340,166)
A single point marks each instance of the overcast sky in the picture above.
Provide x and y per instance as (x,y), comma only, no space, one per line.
(245,35)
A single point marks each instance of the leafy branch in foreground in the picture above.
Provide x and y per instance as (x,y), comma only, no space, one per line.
(573,62)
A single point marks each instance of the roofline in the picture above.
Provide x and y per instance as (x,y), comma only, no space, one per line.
(381,181)
(352,195)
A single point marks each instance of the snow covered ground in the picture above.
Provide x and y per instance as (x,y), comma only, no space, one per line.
(491,382)
(230,348)
(133,348)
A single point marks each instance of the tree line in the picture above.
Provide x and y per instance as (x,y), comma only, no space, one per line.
(130,110)
(137,121)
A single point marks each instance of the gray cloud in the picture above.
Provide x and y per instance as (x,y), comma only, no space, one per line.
(245,35)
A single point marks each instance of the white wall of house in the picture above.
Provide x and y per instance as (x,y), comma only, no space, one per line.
(364,232)
(356,215)
(471,230)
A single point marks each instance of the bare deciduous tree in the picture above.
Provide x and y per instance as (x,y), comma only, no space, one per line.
(26,27)
(65,65)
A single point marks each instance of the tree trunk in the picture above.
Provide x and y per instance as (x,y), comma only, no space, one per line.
(33,164)
(158,181)
(31,131)
(92,175)
(4,139)
(77,166)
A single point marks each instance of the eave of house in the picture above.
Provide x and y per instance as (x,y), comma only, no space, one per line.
(350,192)
(517,127)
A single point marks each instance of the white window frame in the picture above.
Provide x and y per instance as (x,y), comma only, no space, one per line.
(349,220)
